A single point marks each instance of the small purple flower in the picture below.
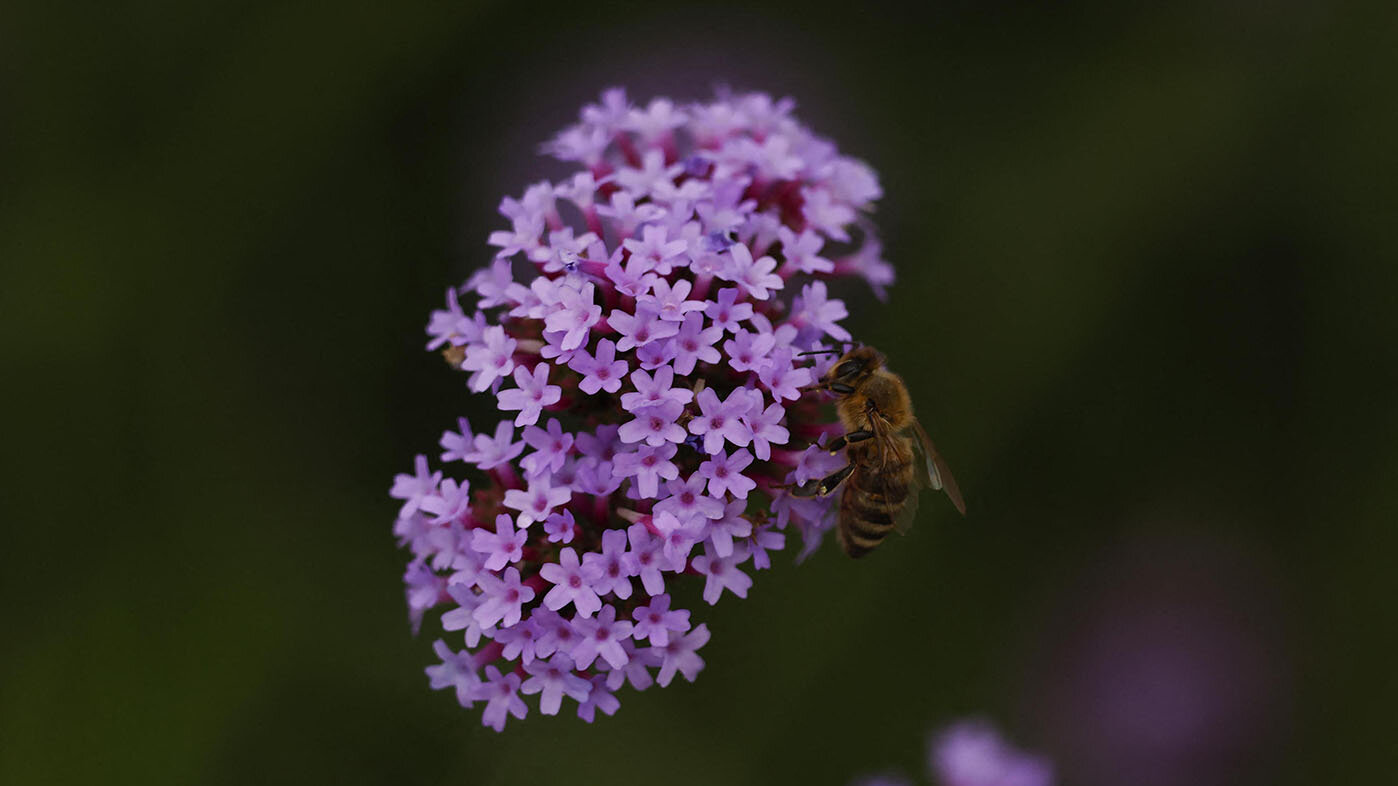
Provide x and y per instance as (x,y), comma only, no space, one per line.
(415,488)
(491,360)
(754,276)
(656,621)
(670,302)
(641,328)
(503,599)
(534,505)
(654,425)
(457,446)
(688,502)
(521,641)
(722,574)
(726,312)
(725,474)
(457,670)
(656,252)
(680,654)
(647,559)
(560,527)
(647,467)
(598,698)
(502,546)
(533,394)
(651,392)
(494,451)
(452,502)
(722,421)
(571,584)
(601,371)
(612,569)
(553,679)
(500,692)
(694,343)
(601,636)
(551,448)
(730,524)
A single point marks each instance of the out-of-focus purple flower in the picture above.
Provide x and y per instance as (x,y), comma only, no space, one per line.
(643,322)
(972,753)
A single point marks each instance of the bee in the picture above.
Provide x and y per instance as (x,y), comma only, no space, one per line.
(891,458)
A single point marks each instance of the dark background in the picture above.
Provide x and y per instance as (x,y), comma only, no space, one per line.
(1146,303)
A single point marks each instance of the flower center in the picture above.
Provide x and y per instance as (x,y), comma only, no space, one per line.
(575,581)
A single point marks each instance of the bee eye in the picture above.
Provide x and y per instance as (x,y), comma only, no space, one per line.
(849,368)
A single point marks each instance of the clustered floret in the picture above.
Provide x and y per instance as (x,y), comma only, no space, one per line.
(641,328)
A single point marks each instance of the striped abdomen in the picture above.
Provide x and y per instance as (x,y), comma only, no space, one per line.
(874,494)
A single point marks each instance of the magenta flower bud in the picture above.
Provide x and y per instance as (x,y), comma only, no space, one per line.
(640,330)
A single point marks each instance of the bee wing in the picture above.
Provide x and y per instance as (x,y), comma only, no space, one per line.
(938,473)
(883,438)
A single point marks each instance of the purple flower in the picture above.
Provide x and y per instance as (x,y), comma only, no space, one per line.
(688,502)
(754,276)
(553,679)
(551,448)
(491,360)
(669,302)
(601,636)
(657,253)
(534,505)
(730,524)
(492,452)
(651,392)
(725,474)
(656,621)
(722,574)
(598,698)
(572,583)
(647,467)
(722,421)
(560,527)
(641,328)
(457,446)
(647,559)
(655,425)
(457,670)
(533,394)
(972,753)
(500,692)
(503,599)
(601,371)
(452,502)
(640,300)
(502,546)
(694,343)
(415,488)
(680,654)
(612,569)
(726,312)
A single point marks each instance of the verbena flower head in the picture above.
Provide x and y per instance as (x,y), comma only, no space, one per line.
(640,329)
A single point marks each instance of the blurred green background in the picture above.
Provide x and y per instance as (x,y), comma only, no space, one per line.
(1146,303)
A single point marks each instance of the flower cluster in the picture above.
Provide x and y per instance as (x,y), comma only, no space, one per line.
(640,328)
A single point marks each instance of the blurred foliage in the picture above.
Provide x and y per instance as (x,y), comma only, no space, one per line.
(1147,284)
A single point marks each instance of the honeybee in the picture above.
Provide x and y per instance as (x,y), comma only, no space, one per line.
(891,458)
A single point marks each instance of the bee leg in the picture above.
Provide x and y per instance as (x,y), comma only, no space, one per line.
(822,487)
(850,438)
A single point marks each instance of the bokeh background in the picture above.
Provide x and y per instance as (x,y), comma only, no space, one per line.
(1146,304)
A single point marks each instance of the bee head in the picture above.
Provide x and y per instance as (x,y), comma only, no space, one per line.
(854,366)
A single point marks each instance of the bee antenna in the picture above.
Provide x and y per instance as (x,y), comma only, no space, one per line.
(821,352)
